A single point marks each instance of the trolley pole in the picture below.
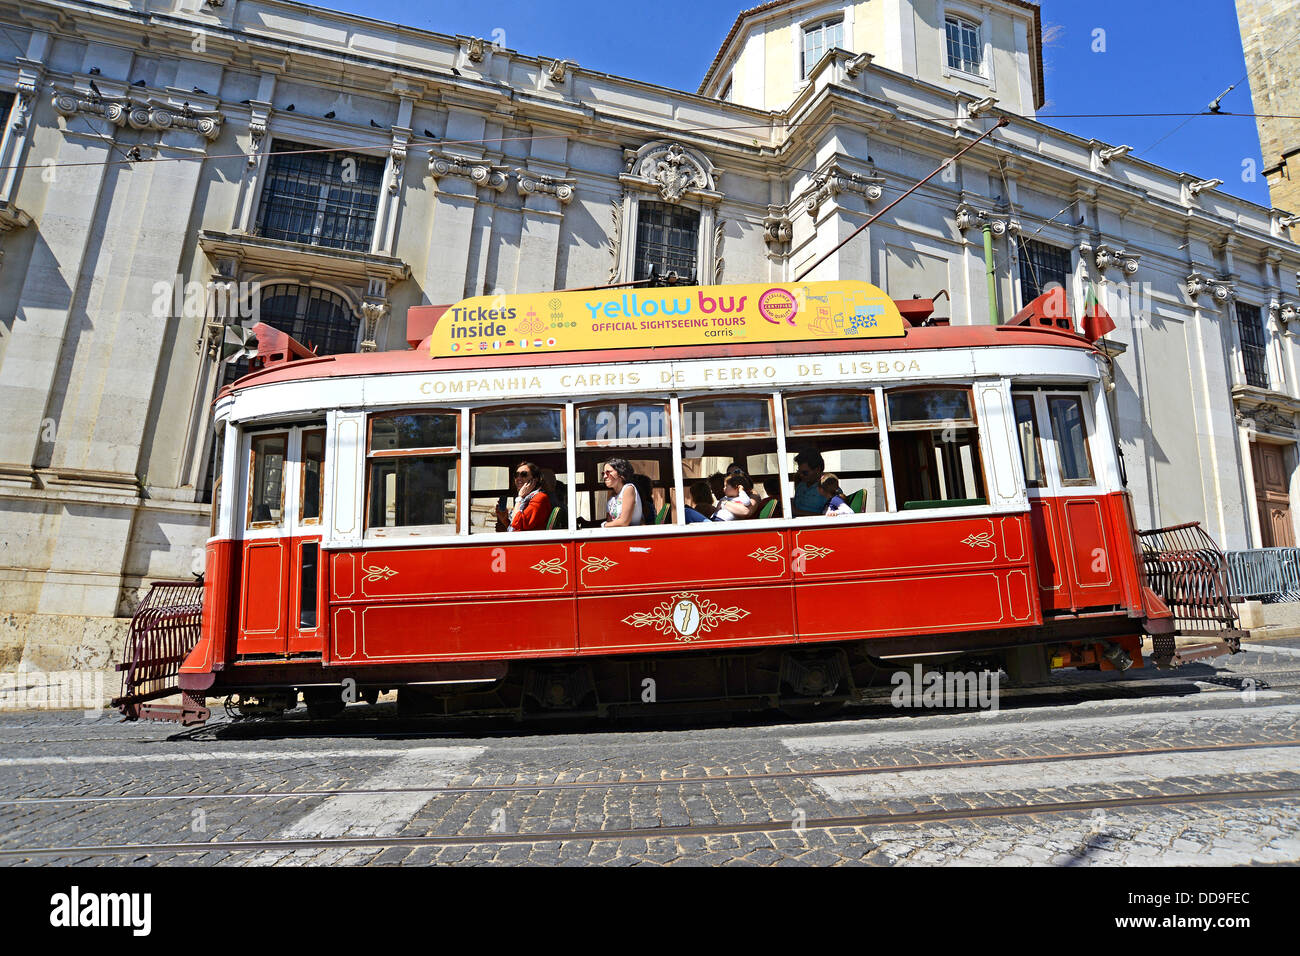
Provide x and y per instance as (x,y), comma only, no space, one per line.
(1002,121)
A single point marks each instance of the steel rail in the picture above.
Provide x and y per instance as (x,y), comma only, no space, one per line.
(919,817)
(1022,760)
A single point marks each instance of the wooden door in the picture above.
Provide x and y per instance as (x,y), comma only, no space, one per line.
(1272,495)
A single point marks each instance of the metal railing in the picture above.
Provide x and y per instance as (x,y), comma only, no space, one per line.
(1265,574)
(1187,569)
(164,630)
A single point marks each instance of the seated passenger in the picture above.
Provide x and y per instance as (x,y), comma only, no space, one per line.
(807,499)
(701,505)
(532,506)
(715,482)
(835,503)
(735,501)
(624,506)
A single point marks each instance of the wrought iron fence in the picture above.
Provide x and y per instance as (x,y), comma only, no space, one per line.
(1187,569)
(1265,574)
(164,630)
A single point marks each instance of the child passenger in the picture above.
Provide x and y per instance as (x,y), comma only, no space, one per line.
(735,500)
(836,505)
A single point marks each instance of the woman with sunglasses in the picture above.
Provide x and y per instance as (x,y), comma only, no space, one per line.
(532,506)
(624,507)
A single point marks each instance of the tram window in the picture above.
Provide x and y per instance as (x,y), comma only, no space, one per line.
(218,467)
(637,431)
(841,428)
(413,465)
(719,432)
(266,480)
(521,427)
(313,476)
(934,447)
(502,440)
(1069,435)
(1030,444)
(307,586)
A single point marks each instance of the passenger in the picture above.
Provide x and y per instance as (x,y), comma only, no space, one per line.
(624,505)
(835,503)
(716,481)
(532,505)
(701,502)
(735,501)
(807,499)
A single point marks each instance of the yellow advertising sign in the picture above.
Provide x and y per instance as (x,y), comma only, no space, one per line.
(675,315)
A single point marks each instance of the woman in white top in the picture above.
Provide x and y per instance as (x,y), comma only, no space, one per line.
(624,503)
(735,501)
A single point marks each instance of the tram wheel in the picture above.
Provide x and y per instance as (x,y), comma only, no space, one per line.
(323,702)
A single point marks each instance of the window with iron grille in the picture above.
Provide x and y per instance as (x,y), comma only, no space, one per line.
(817,39)
(1254,347)
(321,199)
(667,240)
(1041,266)
(965,52)
(315,317)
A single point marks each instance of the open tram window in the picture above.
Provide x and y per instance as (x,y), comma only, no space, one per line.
(218,469)
(412,462)
(842,429)
(266,479)
(934,448)
(720,432)
(501,441)
(1031,447)
(638,431)
(312,480)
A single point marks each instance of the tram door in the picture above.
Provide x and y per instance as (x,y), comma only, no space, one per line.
(1072,546)
(280,575)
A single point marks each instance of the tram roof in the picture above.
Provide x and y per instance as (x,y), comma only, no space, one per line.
(417,361)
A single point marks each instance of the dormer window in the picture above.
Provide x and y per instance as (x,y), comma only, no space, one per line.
(965,49)
(817,39)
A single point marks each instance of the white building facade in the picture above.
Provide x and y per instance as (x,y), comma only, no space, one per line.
(172,166)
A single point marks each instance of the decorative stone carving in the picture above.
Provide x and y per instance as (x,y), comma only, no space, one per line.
(531,184)
(858,64)
(1266,418)
(398,155)
(154,114)
(1113,152)
(1199,282)
(1105,257)
(1197,186)
(615,241)
(672,168)
(969,217)
(371,312)
(981,106)
(719,237)
(777,227)
(112,108)
(474,49)
(259,115)
(478,171)
(161,115)
(834,181)
(557,69)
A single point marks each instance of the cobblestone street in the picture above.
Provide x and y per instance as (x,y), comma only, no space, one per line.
(1191,767)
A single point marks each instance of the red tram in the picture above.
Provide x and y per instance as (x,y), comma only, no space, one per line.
(355,543)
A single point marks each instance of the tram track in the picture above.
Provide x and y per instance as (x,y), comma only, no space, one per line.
(920,817)
(699,780)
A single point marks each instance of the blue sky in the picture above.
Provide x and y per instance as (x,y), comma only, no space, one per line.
(1159,56)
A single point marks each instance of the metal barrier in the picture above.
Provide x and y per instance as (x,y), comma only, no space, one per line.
(1265,574)
(1186,568)
(164,630)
